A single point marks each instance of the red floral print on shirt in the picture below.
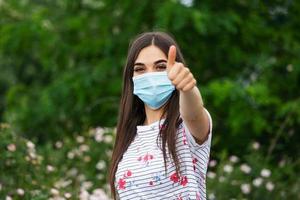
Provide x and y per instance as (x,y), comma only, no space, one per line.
(127,173)
(145,159)
(121,184)
(179,197)
(122,181)
(177,179)
(183,181)
(174,177)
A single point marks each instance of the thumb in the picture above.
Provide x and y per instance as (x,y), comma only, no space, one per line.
(171,57)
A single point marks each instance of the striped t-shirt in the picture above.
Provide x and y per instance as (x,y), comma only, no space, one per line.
(141,172)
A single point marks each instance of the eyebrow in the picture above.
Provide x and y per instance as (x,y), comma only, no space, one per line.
(156,62)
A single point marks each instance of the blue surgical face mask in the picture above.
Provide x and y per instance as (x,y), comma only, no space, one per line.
(153,88)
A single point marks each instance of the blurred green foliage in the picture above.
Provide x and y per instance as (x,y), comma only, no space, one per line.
(61,65)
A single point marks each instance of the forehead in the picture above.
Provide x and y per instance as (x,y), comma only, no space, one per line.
(150,54)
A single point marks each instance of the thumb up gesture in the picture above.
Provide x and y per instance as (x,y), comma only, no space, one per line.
(180,76)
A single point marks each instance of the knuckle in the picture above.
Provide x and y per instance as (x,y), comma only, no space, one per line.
(179,65)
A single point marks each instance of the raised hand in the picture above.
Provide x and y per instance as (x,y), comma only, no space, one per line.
(180,76)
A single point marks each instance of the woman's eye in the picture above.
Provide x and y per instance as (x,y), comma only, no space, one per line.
(138,69)
(161,67)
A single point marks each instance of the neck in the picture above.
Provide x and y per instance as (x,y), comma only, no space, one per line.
(152,115)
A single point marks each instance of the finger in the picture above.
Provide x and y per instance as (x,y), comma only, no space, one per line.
(189,86)
(171,56)
(184,72)
(185,82)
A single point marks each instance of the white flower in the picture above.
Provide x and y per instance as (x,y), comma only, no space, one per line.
(187,3)
(62,183)
(108,138)
(35,192)
(30,145)
(81,177)
(99,134)
(8,198)
(80,139)
(211,175)
(245,168)
(11,147)
(211,196)
(32,155)
(54,192)
(84,148)
(246,188)
(99,194)
(71,155)
(98,137)
(72,172)
(269,186)
(100,130)
(86,185)
(212,163)
(20,191)
(84,195)
(68,195)
(289,67)
(100,165)
(58,144)
(228,168)
(50,168)
(233,159)
(255,145)
(265,173)
(257,181)
(0,186)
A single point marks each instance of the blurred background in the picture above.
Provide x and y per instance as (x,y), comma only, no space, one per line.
(61,64)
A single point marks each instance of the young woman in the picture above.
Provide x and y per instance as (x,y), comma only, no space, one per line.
(164,132)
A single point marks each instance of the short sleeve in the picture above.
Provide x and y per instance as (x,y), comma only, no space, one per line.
(191,140)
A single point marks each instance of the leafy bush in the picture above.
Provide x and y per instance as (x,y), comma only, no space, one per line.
(252,177)
(71,168)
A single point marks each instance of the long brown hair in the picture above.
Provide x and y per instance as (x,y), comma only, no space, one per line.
(132,111)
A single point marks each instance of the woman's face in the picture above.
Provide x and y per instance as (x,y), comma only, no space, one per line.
(150,59)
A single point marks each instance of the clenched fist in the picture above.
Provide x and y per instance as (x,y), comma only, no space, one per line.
(180,76)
